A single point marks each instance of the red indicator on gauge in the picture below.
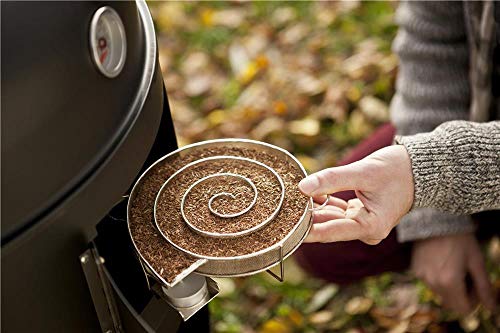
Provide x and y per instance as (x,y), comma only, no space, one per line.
(108,41)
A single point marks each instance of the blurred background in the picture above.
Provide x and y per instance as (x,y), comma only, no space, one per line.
(314,78)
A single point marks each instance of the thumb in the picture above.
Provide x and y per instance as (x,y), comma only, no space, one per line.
(331,180)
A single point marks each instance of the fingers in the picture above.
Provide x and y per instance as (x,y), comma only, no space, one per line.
(332,201)
(354,205)
(332,224)
(328,213)
(449,286)
(482,283)
(334,231)
(347,177)
(360,226)
(374,229)
(371,241)
(454,294)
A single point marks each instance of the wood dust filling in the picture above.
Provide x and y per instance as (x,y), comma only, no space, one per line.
(168,261)
(196,204)
(197,201)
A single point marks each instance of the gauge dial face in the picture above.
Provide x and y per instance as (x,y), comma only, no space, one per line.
(108,41)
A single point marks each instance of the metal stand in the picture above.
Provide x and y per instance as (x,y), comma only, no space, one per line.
(146,275)
(280,277)
(101,292)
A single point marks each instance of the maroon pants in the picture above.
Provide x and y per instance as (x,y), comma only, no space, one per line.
(346,262)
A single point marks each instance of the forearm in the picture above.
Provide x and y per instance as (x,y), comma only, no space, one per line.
(456,168)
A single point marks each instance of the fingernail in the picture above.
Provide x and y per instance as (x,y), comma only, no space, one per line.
(309,184)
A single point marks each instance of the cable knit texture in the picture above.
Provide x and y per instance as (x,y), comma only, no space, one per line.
(456,167)
(432,88)
(423,223)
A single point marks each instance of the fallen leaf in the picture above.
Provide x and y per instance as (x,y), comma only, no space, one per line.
(339,323)
(326,17)
(207,17)
(307,127)
(309,85)
(421,319)
(238,58)
(470,323)
(275,326)
(408,311)
(279,107)
(231,18)
(494,249)
(321,317)
(296,317)
(294,34)
(374,108)
(362,66)
(348,6)
(400,328)
(198,85)
(358,125)
(435,328)
(258,42)
(388,64)
(353,93)
(255,96)
(249,72)
(262,61)
(383,319)
(321,297)
(216,117)
(268,126)
(170,15)
(283,15)
(194,63)
(358,305)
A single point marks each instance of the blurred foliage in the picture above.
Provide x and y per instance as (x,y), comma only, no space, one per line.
(314,78)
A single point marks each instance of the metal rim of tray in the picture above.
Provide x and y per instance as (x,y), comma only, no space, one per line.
(203,260)
(264,268)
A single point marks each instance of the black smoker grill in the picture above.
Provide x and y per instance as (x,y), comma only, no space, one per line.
(84,113)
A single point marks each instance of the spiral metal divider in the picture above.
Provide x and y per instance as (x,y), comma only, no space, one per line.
(213,211)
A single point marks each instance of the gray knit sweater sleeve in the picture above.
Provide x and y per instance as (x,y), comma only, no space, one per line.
(456,168)
(432,88)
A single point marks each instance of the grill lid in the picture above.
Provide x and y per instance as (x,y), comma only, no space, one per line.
(61,117)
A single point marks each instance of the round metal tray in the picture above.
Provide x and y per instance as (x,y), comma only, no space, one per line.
(249,263)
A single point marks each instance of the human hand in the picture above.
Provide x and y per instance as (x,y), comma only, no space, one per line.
(383,183)
(443,264)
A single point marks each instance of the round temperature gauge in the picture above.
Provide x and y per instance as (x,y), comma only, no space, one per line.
(108,41)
